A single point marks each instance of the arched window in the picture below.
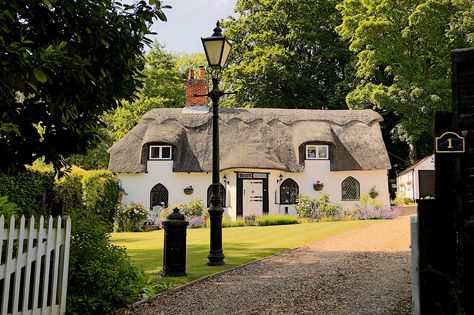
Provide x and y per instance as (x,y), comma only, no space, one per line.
(350,189)
(289,191)
(159,196)
(222,192)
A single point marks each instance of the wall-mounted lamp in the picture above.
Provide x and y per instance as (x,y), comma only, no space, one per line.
(226,182)
(280,178)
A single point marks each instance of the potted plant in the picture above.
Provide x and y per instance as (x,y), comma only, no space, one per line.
(318,186)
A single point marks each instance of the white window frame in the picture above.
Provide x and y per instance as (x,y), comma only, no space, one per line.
(318,147)
(160,152)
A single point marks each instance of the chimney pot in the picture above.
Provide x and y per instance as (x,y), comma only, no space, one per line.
(191,74)
(202,73)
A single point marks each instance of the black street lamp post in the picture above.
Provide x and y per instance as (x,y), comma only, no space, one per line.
(217,49)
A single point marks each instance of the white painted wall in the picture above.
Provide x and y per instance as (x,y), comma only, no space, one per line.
(137,186)
(408,185)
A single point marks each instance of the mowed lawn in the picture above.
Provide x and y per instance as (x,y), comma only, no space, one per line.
(240,245)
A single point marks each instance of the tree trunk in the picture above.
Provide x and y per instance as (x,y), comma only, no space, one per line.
(412,153)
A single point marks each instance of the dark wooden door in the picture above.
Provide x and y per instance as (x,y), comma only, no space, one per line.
(426,183)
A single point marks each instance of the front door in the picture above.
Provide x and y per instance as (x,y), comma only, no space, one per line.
(252,197)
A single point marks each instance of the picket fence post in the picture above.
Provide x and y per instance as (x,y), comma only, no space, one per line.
(34,266)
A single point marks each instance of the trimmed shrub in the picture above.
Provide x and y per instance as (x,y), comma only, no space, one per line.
(101,276)
(227,222)
(101,193)
(30,190)
(276,219)
(67,194)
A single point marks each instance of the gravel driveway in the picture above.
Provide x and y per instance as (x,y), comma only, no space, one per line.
(362,271)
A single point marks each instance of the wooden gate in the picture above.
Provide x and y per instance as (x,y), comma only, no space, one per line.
(446,224)
(34,266)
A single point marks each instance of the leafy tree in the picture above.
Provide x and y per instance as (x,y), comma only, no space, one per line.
(403,59)
(161,76)
(163,79)
(163,85)
(96,156)
(287,54)
(63,64)
(191,61)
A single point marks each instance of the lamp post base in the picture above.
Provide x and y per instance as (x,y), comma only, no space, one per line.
(215,258)
(216,254)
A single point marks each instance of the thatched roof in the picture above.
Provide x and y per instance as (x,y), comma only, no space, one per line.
(263,138)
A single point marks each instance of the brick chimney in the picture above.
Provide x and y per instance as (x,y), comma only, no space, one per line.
(196,86)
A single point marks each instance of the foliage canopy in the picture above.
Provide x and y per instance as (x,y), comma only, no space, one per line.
(287,54)
(63,64)
(403,59)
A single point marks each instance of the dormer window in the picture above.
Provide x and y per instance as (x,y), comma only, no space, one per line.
(160,152)
(317,152)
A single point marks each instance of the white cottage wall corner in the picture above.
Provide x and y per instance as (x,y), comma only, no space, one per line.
(137,186)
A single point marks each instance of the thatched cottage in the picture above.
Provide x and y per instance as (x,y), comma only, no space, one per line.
(267,157)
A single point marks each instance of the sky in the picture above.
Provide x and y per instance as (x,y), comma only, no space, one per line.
(188,21)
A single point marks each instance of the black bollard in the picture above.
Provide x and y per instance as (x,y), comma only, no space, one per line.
(174,254)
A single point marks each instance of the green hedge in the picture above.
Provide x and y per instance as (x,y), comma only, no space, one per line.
(101,193)
(227,222)
(276,219)
(31,191)
(39,193)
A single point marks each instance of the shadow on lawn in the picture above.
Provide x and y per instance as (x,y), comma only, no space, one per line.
(196,259)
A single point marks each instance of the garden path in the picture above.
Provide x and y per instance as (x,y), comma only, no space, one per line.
(362,271)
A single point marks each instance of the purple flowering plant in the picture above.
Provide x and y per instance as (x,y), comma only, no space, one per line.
(196,221)
(370,209)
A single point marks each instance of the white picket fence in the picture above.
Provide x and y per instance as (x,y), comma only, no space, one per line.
(34,266)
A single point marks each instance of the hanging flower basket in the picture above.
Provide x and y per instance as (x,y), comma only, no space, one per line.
(189,190)
(318,186)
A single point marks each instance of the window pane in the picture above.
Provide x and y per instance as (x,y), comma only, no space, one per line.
(323,152)
(159,196)
(285,195)
(165,152)
(311,152)
(289,191)
(350,189)
(154,152)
